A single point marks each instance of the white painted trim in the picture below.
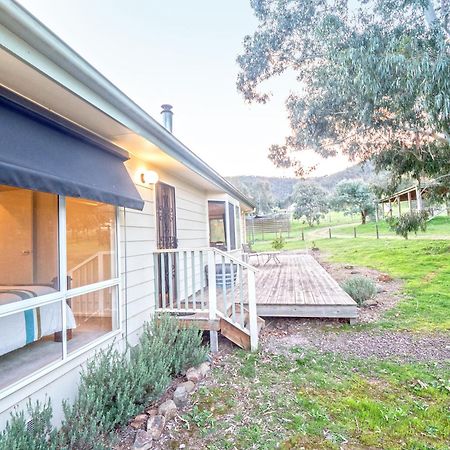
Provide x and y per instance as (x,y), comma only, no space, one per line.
(227,225)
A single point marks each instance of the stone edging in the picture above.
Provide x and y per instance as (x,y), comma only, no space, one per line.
(155,419)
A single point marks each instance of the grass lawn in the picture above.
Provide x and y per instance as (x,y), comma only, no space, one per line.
(423,264)
(436,226)
(320,401)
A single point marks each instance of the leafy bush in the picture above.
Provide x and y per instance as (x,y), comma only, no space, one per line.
(114,386)
(360,289)
(278,243)
(41,436)
(409,222)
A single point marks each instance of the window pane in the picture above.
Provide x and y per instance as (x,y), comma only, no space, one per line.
(95,314)
(238,227)
(28,240)
(217,236)
(29,341)
(232,226)
(91,242)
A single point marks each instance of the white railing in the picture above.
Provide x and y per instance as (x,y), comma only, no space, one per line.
(208,281)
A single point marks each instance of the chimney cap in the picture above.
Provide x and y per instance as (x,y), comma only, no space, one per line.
(167,108)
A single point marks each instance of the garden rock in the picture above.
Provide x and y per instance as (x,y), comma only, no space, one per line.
(138,421)
(180,396)
(380,289)
(193,375)
(155,426)
(189,386)
(168,409)
(204,368)
(152,412)
(142,441)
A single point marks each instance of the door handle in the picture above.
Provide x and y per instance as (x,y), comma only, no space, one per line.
(26,252)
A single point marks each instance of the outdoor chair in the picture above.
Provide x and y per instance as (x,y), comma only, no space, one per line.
(247,253)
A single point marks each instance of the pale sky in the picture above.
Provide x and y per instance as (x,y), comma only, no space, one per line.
(183,53)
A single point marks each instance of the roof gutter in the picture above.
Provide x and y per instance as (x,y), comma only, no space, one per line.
(24,25)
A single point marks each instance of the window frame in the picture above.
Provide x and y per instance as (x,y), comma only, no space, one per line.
(62,295)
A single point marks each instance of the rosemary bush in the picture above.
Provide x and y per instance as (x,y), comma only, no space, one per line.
(360,289)
(114,386)
(41,436)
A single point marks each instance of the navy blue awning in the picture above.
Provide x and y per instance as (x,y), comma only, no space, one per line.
(43,152)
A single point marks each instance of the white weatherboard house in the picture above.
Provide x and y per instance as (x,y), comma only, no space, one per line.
(105,218)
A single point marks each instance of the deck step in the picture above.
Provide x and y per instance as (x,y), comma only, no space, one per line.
(260,321)
(199,320)
(234,333)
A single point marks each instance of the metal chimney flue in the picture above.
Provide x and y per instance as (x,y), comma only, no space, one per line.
(167,114)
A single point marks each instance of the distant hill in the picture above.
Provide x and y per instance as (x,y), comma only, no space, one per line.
(281,188)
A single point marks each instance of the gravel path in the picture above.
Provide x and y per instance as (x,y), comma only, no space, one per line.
(398,345)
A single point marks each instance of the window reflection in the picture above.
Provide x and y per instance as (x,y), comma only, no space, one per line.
(28,241)
(91,251)
(95,314)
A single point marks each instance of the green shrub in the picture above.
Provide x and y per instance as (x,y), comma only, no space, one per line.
(106,398)
(410,222)
(360,289)
(41,436)
(114,386)
(278,243)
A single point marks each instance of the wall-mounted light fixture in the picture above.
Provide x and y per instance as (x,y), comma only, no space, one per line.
(149,177)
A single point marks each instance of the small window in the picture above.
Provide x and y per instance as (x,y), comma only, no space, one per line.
(217,225)
(238,226)
(231,215)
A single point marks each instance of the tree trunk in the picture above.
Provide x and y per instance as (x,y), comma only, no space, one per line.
(363,217)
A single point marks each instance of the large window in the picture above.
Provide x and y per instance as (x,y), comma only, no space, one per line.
(224,225)
(58,286)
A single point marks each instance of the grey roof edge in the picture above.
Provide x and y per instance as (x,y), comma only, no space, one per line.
(23,24)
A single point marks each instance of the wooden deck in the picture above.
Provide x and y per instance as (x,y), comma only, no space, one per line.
(300,287)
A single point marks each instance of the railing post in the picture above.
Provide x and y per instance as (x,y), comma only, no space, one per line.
(212,299)
(253,321)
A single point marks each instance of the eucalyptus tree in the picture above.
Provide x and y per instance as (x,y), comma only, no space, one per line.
(373,79)
(311,202)
(354,197)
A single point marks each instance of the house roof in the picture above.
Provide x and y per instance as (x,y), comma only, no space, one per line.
(31,42)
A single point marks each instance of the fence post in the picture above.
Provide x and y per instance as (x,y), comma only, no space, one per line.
(376,228)
(303,235)
(329,232)
(212,299)
(354,232)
